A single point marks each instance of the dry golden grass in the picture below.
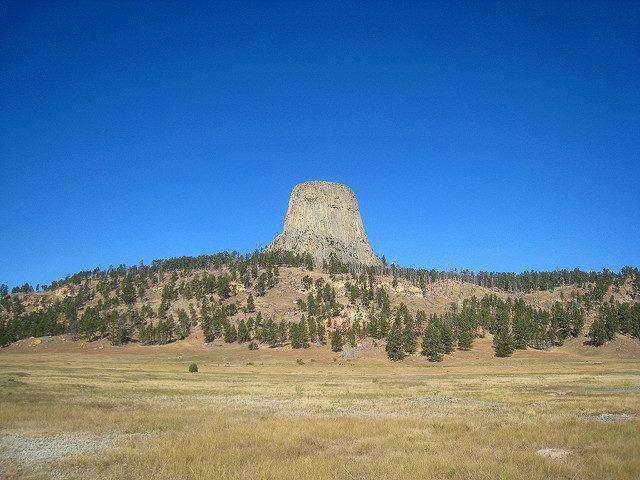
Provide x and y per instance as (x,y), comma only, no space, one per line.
(144,416)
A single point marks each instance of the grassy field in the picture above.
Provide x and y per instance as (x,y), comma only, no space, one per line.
(107,415)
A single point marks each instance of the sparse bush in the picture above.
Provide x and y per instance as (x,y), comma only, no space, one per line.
(253,345)
(193,368)
(299,361)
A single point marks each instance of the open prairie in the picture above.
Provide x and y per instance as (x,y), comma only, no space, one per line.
(313,414)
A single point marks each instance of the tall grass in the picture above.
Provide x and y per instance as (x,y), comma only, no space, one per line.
(321,421)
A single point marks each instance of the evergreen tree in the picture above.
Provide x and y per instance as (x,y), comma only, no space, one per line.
(598,333)
(250,304)
(409,336)
(394,348)
(313,329)
(432,344)
(322,332)
(298,334)
(336,341)
(207,329)
(447,338)
(351,333)
(128,293)
(230,332)
(520,332)
(360,332)
(165,329)
(282,332)
(465,340)
(243,332)
(576,318)
(503,343)
(261,285)
(224,287)
(184,325)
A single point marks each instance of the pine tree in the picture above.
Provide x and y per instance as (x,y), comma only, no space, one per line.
(352,337)
(224,287)
(503,343)
(261,285)
(431,344)
(465,340)
(269,333)
(184,324)
(298,335)
(250,304)
(322,332)
(394,348)
(243,332)
(230,333)
(447,338)
(409,337)
(207,330)
(282,332)
(598,333)
(336,341)
(313,329)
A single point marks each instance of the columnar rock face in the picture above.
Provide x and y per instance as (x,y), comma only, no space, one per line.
(324,218)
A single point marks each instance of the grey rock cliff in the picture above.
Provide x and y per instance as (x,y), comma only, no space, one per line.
(324,218)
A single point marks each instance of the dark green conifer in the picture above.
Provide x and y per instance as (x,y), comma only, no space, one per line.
(447,338)
(394,348)
(465,340)
(250,304)
(432,344)
(336,341)
(243,332)
(598,333)
(503,343)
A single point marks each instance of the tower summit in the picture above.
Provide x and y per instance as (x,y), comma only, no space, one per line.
(324,218)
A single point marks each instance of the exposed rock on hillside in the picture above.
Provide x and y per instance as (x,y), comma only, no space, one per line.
(324,218)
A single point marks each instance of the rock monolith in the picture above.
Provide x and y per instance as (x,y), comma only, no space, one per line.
(324,218)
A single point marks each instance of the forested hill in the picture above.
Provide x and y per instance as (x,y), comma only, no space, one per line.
(276,298)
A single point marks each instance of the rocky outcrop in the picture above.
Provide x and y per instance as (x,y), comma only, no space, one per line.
(324,218)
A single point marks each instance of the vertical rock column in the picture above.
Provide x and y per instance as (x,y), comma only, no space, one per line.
(324,218)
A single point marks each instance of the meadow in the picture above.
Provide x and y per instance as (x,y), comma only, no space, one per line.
(132,416)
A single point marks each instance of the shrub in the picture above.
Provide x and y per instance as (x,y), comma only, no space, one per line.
(253,345)
(193,368)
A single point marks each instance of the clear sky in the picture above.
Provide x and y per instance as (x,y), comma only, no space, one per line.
(476,135)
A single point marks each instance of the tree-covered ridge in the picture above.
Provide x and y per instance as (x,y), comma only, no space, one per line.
(598,283)
(167,300)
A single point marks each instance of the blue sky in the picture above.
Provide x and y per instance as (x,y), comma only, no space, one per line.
(476,135)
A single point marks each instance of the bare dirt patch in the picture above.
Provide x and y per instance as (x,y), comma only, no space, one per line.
(32,452)
(554,453)
(607,417)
